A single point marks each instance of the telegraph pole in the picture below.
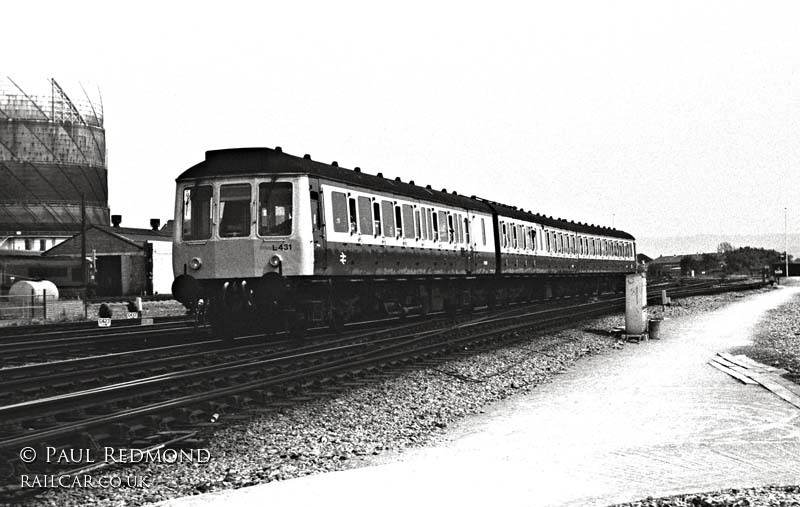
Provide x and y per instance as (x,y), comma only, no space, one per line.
(786,239)
(83,259)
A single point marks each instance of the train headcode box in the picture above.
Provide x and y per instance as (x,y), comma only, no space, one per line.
(103,322)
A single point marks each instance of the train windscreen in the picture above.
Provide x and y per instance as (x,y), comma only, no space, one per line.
(234,210)
(275,209)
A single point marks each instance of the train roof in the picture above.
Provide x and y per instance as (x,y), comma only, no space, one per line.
(241,161)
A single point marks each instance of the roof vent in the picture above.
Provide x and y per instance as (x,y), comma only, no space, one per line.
(116,220)
(397,179)
(335,163)
(279,149)
(472,197)
(380,175)
(444,190)
(155,223)
(307,156)
(357,169)
(455,193)
(428,187)
(411,182)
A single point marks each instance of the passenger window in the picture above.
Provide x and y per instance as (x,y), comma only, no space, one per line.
(503,234)
(365,222)
(459,228)
(442,226)
(467,231)
(376,210)
(387,210)
(483,231)
(275,209)
(234,210)
(408,220)
(514,236)
(429,221)
(196,222)
(339,207)
(451,233)
(418,223)
(353,217)
(435,215)
(398,220)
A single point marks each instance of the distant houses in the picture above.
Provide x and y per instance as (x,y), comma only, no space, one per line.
(689,265)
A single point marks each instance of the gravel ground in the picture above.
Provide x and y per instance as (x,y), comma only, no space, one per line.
(347,429)
(768,496)
(778,341)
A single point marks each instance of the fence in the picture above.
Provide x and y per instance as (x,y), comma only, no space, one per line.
(41,307)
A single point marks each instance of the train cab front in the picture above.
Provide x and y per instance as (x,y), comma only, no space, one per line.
(238,245)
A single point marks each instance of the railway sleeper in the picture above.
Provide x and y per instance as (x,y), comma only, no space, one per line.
(238,401)
(214,407)
(96,440)
(262,396)
(102,409)
(164,422)
(30,392)
(128,432)
(39,423)
(72,415)
(189,417)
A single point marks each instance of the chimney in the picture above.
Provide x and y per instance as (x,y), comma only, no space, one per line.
(155,223)
(116,220)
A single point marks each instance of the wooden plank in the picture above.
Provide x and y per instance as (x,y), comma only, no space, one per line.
(740,360)
(735,374)
(735,367)
(768,382)
(765,367)
(787,384)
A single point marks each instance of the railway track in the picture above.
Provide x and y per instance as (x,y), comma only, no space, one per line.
(135,412)
(20,350)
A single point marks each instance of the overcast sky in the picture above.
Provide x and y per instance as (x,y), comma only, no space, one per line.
(669,118)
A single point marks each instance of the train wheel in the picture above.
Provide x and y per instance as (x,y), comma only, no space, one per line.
(298,325)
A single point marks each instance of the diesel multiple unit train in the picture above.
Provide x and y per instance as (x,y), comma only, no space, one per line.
(276,241)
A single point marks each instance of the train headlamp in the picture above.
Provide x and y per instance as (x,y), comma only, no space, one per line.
(275,261)
(195,263)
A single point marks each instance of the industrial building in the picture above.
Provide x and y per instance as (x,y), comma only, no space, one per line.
(52,155)
(54,174)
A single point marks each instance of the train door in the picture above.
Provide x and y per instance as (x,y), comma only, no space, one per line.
(318,226)
(470,251)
